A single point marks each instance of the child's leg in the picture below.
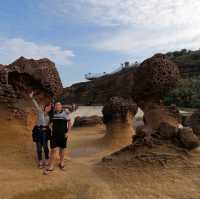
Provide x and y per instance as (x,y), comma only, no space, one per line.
(52,158)
(45,146)
(39,152)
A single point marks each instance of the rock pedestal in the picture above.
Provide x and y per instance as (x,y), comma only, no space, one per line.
(156,113)
(118,117)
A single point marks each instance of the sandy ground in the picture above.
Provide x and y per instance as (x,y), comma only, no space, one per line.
(84,176)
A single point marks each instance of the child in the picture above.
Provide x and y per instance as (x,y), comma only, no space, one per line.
(41,132)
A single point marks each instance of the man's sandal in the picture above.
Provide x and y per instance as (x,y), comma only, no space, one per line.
(62,167)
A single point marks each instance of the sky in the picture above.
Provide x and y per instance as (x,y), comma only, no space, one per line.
(83,36)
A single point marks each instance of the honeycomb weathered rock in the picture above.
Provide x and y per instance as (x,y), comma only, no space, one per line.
(118,116)
(43,71)
(117,109)
(154,78)
(21,77)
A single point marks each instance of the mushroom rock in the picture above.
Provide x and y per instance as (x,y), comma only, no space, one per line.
(154,78)
(118,115)
(41,72)
(19,78)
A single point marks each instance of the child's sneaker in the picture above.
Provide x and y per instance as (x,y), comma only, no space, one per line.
(40,165)
(46,163)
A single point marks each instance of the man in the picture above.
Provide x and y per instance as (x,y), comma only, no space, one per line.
(61,128)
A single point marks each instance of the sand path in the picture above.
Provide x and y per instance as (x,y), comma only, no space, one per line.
(84,177)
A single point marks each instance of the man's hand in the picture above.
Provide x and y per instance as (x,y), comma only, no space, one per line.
(31,94)
(67,136)
(69,129)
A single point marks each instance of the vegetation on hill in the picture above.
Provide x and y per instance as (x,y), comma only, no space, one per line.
(185,56)
(186,94)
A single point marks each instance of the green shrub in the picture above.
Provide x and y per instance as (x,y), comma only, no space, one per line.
(186,94)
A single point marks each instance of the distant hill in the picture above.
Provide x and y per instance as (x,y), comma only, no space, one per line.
(98,91)
(187,60)
(187,92)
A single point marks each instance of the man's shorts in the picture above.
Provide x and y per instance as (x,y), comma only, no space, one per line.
(58,142)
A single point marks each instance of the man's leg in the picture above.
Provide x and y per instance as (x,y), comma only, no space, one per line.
(62,156)
(52,161)
(52,158)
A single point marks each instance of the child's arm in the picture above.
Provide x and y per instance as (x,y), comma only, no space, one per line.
(35,102)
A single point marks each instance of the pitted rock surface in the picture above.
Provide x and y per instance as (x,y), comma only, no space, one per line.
(154,78)
(117,109)
(43,71)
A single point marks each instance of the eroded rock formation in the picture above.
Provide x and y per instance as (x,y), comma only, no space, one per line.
(98,91)
(146,84)
(102,89)
(25,74)
(153,79)
(19,78)
(43,71)
(162,137)
(161,123)
(118,115)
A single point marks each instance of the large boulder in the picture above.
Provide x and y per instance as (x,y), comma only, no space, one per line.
(143,136)
(187,138)
(87,121)
(194,122)
(167,131)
